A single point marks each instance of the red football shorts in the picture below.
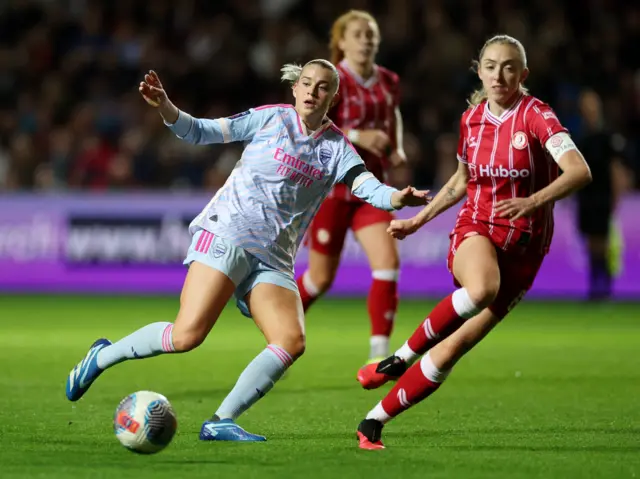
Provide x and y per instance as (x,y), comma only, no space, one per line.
(518,265)
(335,217)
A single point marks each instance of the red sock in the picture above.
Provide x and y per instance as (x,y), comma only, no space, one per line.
(411,388)
(308,294)
(382,304)
(442,321)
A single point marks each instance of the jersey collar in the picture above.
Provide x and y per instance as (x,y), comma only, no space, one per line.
(369,82)
(508,113)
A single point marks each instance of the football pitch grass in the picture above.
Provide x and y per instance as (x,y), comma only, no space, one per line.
(552,392)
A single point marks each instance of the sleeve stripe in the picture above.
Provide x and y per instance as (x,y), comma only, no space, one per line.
(224,127)
(361,178)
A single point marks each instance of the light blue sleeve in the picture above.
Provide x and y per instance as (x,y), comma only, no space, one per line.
(365,186)
(373,191)
(204,131)
(350,158)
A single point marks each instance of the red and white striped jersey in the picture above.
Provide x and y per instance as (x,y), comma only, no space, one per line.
(506,157)
(364,105)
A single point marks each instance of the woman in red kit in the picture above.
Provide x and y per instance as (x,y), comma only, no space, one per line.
(511,146)
(367,111)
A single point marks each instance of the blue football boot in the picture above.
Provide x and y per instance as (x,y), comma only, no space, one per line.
(226,430)
(85,372)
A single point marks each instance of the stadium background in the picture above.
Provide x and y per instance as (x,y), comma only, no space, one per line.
(95,195)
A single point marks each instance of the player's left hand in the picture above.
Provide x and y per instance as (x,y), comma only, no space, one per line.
(515,208)
(398,158)
(410,197)
(400,229)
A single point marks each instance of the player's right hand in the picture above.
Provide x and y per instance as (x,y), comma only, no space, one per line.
(152,91)
(400,229)
(375,141)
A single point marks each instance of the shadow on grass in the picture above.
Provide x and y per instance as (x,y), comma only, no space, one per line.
(281,391)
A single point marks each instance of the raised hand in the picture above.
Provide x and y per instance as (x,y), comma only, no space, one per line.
(152,91)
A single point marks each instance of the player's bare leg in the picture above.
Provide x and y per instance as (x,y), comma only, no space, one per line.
(382,303)
(319,276)
(425,377)
(278,312)
(475,266)
(204,294)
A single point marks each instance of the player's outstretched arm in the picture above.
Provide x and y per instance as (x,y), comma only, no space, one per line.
(368,188)
(450,194)
(198,131)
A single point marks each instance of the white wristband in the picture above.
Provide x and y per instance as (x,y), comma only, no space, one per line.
(354,136)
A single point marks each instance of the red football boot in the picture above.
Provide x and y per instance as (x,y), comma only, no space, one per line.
(374,375)
(369,434)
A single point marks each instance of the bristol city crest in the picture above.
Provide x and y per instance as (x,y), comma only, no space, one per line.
(519,140)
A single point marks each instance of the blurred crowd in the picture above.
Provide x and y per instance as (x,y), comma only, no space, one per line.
(71,116)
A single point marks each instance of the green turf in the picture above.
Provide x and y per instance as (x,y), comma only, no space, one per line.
(553,392)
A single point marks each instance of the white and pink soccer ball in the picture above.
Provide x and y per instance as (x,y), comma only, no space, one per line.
(145,422)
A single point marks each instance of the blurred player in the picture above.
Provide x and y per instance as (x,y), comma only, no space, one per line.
(596,202)
(245,240)
(511,145)
(367,111)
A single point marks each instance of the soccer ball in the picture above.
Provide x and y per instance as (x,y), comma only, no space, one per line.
(145,422)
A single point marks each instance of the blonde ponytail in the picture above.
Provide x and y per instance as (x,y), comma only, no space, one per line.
(477,97)
(290,73)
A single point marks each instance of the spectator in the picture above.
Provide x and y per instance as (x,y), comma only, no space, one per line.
(70,116)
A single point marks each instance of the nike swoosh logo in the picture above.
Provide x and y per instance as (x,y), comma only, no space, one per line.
(87,361)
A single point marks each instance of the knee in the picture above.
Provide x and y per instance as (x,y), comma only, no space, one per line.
(186,339)
(293,343)
(322,279)
(484,293)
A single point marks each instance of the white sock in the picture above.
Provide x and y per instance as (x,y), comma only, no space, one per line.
(379,414)
(309,286)
(386,274)
(432,372)
(379,346)
(148,341)
(256,380)
(406,353)
(463,305)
